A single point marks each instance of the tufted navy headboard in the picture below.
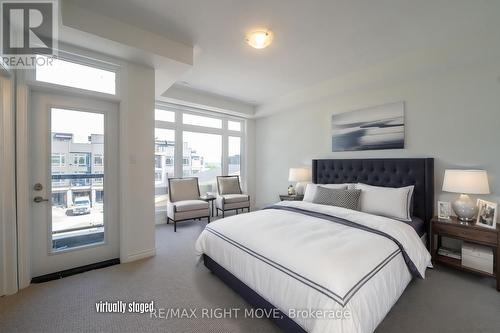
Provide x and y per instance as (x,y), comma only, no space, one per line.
(388,172)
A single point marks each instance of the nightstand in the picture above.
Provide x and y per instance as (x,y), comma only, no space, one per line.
(294,197)
(467,232)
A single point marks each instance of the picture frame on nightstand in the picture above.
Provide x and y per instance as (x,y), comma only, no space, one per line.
(444,210)
(487,214)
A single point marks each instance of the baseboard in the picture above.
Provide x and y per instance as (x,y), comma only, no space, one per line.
(73,271)
(139,255)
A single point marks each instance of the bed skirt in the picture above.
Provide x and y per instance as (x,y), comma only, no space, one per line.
(282,320)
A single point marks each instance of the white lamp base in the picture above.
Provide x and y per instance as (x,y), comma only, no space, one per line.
(465,208)
(300,188)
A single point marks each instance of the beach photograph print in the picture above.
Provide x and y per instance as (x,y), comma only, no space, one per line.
(379,127)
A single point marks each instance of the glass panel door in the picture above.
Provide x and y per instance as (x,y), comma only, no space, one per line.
(73,161)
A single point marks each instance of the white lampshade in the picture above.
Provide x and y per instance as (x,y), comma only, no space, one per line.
(466,181)
(299,175)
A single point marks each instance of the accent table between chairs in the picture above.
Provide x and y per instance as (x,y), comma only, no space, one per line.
(210,199)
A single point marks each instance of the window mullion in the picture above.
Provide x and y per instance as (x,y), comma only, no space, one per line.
(178,168)
(225,149)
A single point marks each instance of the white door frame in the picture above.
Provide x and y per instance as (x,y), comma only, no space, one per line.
(24,190)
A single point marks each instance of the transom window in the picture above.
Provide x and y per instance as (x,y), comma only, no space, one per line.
(72,74)
(164,115)
(234,125)
(191,119)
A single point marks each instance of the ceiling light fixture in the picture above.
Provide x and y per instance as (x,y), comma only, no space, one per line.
(259,39)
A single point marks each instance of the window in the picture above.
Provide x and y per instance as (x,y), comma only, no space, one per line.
(164,166)
(58,159)
(204,152)
(71,74)
(158,161)
(192,144)
(158,176)
(164,115)
(79,160)
(234,125)
(191,119)
(234,155)
(77,187)
(98,160)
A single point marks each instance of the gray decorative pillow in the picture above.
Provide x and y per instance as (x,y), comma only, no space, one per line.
(334,197)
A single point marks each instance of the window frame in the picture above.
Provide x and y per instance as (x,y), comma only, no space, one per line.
(225,133)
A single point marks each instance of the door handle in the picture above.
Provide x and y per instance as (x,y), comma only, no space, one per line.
(39,199)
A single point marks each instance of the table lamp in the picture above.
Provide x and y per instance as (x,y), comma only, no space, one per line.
(300,176)
(465,182)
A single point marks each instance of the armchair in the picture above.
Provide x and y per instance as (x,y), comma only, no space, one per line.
(184,201)
(230,196)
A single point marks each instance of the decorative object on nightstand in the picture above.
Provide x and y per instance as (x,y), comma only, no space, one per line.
(300,176)
(487,215)
(444,210)
(294,197)
(480,247)
(465,182)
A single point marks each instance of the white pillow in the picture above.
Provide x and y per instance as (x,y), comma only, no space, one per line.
(310,191)
(390,202)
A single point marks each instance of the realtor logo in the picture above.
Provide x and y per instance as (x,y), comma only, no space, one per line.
(28,28)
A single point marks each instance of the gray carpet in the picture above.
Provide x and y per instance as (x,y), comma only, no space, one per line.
(447,301)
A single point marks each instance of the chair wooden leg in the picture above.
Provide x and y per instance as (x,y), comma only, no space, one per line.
(208,218)
(216,211)
(236,212)
(175,226)
(168,220)
(223,213)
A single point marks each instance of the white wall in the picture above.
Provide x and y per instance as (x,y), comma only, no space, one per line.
(201,99)
(137,221)
(453,116)
(249,161)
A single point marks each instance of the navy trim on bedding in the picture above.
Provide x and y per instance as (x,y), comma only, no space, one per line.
(418,225)
(321,289)
(409,263)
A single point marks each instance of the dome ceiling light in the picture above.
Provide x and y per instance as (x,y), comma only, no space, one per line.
(259,39)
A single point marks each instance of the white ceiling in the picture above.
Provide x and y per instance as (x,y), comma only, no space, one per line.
(315,40)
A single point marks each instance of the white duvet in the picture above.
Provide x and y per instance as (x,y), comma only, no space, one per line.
(348,276)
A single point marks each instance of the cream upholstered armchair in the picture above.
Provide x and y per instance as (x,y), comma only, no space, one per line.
(184,201)
(230,196)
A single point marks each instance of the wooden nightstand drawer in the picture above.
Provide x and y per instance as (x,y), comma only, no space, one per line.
(480,236)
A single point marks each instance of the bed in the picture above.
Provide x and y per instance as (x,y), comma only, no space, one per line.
(318,268)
